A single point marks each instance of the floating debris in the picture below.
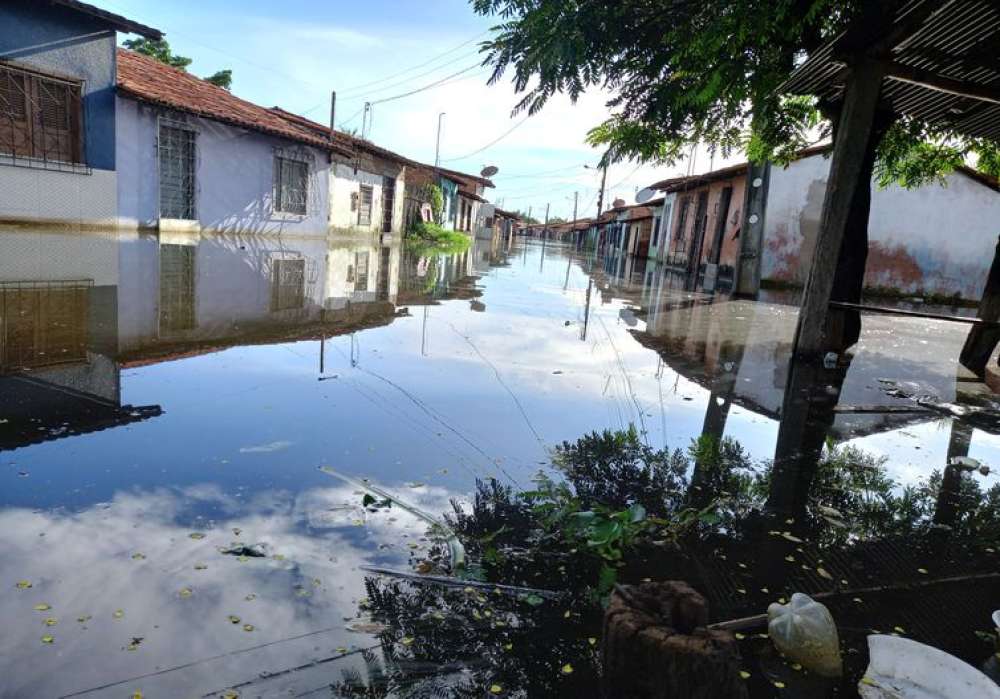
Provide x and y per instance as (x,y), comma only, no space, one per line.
(51,621)
(566,669)
(47,639)
(23,584)
(233,619)
(43,607)
(246,551)
(184,592)
(118,613)
(248,627)
(137,556)
(196,536)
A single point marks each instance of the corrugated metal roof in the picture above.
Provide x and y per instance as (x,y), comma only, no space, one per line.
(959,40)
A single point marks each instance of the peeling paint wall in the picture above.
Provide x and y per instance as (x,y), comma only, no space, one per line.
(938,239)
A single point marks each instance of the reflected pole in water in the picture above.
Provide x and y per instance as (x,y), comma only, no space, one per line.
(322,353)
(545,238)
(586,312)
(423,334)
(949,496)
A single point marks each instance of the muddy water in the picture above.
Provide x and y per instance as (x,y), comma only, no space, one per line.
(170,412)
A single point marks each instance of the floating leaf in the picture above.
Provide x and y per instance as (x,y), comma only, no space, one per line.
(823,574)
(196,535)
(566,669)
(47,639)
(534,600)
(84,618)
(248,627)
(51,621)
(184,592)
(200,566)
(922,571)
(233,619)
(43,607)
(406,640)
(23,584)
(495,689)
(744,674)
(592,641)
(251,597)
(118,614)
(790,537)
(137,556)
(136,695)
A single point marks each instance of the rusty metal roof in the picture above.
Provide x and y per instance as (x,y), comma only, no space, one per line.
(955,46)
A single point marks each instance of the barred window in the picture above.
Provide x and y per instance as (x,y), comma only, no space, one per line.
(365,205)
(288,284)
(40,117)
(291,185)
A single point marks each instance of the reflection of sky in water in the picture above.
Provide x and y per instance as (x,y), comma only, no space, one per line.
(134,554)
(440,396)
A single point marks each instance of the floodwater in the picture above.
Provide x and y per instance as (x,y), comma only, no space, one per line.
(188,428)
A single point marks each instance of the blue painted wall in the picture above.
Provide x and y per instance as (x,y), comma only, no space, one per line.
(450,191)
(54,39)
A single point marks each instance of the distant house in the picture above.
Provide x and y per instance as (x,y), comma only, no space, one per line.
(367,187)
(192,156)
(58,161)
(462,196)
(704,225)
(906,230)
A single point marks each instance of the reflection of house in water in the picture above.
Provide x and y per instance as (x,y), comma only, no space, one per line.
(59,338)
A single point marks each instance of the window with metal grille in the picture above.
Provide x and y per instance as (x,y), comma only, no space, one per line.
(361,271)
(176,288)
(288,284)
(177,172)
(291,185)
(40,117)
(42,324)
(388,203)
(365,199)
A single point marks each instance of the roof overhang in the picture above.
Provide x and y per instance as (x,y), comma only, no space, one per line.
(117,22)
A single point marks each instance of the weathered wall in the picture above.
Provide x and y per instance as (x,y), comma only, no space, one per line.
(56,40)
(346,184)
(936,239)
(38,195)
(233,176)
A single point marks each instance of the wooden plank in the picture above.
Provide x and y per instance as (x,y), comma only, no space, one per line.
(865,308)
(861,100)
(941,83)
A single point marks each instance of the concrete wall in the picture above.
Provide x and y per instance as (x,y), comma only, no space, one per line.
(346,185)
(730,247)
(938,239)
(57,40)
(233,176)
(50,196)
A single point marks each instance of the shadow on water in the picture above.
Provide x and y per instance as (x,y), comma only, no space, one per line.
(166,403)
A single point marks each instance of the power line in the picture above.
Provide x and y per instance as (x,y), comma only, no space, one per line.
(436,83)
(541,173)
(492,143)
(364,93)
(419,65)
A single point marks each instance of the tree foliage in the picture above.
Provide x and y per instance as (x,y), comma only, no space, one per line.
(682,72)
(161,51)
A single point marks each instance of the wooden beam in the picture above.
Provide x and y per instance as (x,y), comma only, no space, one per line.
(941,83)
(850,149)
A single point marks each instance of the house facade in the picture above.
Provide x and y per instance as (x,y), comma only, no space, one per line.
(937,239)
(58,117)
(195,158)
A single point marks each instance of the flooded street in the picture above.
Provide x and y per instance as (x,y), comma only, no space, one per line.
(188,429)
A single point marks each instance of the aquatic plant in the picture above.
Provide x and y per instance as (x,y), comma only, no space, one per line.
(433,238)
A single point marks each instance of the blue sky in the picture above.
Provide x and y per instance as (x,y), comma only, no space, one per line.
(293,53)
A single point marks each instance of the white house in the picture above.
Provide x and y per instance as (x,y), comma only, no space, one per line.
(194,157)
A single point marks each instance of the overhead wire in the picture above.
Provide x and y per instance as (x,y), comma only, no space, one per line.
(492,143)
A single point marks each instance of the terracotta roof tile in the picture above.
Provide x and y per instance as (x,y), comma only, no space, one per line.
(149,80)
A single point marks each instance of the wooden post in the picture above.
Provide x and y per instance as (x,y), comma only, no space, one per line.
(980,342)
(747,282)
(853,139)
(655,646)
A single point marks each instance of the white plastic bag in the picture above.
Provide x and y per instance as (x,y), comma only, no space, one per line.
(804,631)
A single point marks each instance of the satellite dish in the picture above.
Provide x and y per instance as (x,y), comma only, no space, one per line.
(644,195)
(618,203)
(489,171)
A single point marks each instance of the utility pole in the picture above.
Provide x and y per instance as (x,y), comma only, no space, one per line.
(600,195)
(333,115)
(576,200)
(437,148)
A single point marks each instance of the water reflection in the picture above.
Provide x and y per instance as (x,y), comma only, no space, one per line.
(156,386)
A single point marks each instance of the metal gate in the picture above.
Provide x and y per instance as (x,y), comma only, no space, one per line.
(177,168)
